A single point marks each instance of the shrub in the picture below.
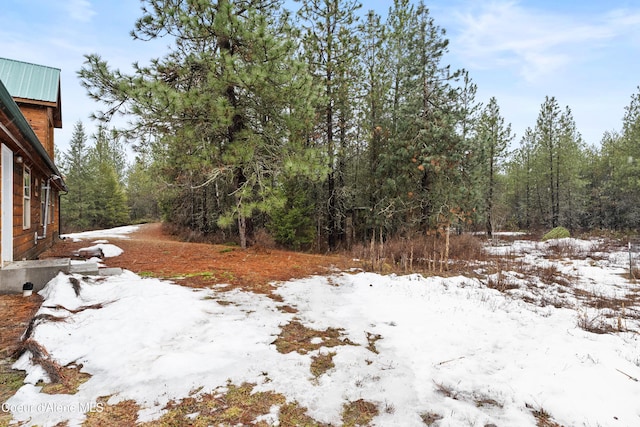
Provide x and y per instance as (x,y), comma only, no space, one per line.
(557,233)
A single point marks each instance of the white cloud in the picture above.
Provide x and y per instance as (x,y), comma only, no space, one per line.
(80,10)
(535,42)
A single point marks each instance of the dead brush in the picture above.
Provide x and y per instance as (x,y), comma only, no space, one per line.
(466,247)
(543,418)
(421,253)
(40,356)
(35,321)
(500,282)
(593,323)
(564,248)
(548,274)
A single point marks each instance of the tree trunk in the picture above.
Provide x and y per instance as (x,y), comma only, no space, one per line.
(489,225)
(245,226)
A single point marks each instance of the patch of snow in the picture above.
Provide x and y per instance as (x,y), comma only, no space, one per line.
(108,250)
(448,346)
(117,232)
(272,418)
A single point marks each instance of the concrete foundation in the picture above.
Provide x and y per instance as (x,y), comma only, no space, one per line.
(38,272)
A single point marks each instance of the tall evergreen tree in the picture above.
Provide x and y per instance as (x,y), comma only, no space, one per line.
(106,166)
(427,144)
(547,140)
(620,164)
(522,177)
(493,139)
(332,50)
(143,190)
(570,172)
(375,120)
(75,205)
(227,106)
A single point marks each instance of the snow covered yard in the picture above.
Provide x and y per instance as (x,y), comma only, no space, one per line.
(509,347)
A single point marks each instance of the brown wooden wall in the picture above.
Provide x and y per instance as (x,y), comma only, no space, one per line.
(24,246)
(40,118)
(2,141)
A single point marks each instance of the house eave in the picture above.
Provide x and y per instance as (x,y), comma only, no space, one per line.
(11,109)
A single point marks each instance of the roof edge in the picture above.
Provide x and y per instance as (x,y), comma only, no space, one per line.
(30,63)
(7,103)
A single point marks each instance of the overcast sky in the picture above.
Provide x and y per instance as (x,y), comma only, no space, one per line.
(586,53)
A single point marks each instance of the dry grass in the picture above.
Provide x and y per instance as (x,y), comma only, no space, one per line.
(10,381)
(500,282)
(372,339)
(446,391)
(358,413)
(123,414)
(594,323)
(543,418)
(72,379)
(35,321)
(40,356)
(430,418)
(229,406)
(294,336)
(322,363)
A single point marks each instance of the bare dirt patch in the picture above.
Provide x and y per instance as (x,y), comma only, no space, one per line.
(150,251)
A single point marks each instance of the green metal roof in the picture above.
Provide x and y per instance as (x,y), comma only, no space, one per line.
(15,115)
(30,81)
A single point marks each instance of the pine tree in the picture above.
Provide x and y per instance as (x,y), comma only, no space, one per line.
(521,181)
(428,143)
(142,190)
(331,52)
(75,204)
(571,172)
(547,136)
(107,203)
(620,157)
(228,107)
(493,138)
(375,121)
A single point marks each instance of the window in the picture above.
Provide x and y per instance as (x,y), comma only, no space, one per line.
(43,201)
(26,197)
(52,206)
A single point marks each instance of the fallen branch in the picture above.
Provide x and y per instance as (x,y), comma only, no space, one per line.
(450,360)
(627,375)
(77,310)
(40,356)
(37,320)
(75,283)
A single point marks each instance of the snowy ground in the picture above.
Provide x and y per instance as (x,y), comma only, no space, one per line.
(118,232)
(449,350)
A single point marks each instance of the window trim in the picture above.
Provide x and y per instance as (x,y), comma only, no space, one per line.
(27,190)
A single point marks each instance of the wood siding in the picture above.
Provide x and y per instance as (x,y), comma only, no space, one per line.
(24,242)
(40,117)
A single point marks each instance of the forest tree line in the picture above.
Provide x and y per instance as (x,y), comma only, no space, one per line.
(328,126)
